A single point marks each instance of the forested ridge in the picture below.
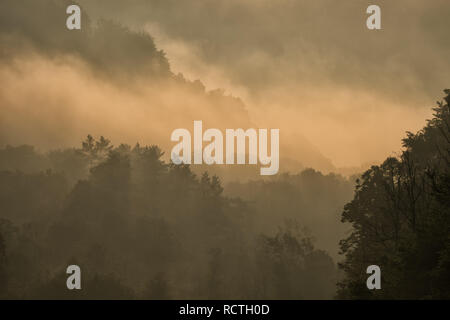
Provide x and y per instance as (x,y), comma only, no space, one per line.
(141,228)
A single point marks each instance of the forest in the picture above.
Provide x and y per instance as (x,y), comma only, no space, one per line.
(143,228)
(86,177)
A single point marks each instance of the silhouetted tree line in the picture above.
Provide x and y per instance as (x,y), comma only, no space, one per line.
(142,228)
(400,218)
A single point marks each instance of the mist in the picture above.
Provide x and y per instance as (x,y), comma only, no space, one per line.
(86,118)
(309,66)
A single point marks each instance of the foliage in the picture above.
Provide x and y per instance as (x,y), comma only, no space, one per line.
(400,218)
(141,228)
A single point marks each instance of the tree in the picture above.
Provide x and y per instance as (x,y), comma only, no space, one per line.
(400,218)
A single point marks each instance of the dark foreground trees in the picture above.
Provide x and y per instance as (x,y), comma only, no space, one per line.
(400,218)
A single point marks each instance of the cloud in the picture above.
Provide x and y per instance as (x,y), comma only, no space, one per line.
(309,68)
